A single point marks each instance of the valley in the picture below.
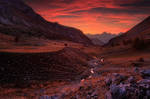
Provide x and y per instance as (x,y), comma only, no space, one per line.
(41,59)
(116,60)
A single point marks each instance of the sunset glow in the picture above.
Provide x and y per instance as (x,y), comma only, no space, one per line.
(94,16)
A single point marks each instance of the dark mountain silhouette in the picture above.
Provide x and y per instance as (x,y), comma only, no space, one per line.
(18,19)
(141,31)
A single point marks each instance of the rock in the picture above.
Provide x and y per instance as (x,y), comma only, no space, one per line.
(49,97)
(94,94)
(73,97)
(144,81)
(81,88)
(131,79)
(45,97)
(115,74)
(108,95)
(63,95)
(89,87)
(108,81)
(144,84)
(148,93)
(136,69)
(77,97)
(117,79)
(128,89)
(90,77)
(88,97)
(90,92)
(92,71)
(42,90)
(118,92)
(82,80)
(145,73)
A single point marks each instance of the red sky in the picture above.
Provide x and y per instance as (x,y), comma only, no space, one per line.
(94,16)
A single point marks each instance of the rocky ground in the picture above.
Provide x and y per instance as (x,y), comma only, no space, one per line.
(133,83)
(119,83)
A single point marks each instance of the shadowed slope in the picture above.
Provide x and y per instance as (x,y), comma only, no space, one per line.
(141,30)
(18,19)
(65,64)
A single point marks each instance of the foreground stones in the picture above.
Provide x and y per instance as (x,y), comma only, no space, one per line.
(145,74)
(123,87)
(49,97)
(118,86)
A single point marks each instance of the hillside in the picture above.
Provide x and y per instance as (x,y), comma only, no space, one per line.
(21,68)
(18,19)
(141,31)
(37,59)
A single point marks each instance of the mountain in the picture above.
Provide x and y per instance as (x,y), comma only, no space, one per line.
(141,31)
(97,41)
(103,37)
(18,19)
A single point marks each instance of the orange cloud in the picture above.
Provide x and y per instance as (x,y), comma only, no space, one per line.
(94,16)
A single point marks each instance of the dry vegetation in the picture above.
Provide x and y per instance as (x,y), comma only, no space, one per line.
(116,60)
(33,45)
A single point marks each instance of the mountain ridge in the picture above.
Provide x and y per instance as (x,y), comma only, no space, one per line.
(103,37)
(17,18)
(141,31)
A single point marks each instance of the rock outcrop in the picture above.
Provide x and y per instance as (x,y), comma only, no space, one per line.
(121,88)
(145,74)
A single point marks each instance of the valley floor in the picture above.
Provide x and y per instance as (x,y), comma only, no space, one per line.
(35,45)
(122,62)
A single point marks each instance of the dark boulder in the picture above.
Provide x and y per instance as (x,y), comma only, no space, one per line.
(145,73)
(129,89)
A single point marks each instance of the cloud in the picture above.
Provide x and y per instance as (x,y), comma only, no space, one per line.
(66,16)
(139,3)
(94,15)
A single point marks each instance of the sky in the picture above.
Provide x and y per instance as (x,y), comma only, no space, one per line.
(94,16)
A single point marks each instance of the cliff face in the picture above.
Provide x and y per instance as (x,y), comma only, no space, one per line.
(17,18)
(141,30)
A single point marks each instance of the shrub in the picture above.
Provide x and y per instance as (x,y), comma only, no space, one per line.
(136,64)
(66,44)
(139,44)
(127,42)
(141,59)
(112,45)
(124,42)
(16,39)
